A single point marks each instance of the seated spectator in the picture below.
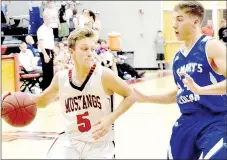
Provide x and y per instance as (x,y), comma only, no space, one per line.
(62,58)
(124,68)
(103,46)
(30,42)
(30,45)
(27,60)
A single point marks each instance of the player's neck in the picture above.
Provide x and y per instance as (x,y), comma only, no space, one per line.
(81,72)
(192,38)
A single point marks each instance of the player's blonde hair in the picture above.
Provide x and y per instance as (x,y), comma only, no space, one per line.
(79,34)
(193,8)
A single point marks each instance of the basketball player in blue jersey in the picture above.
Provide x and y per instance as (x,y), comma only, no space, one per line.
(199,70)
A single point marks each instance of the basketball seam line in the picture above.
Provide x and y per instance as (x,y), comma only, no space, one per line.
(26,109)
(29,112)
(19,109)
(9,104)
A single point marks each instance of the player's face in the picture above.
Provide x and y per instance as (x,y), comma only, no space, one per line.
(84,52)
(183,25)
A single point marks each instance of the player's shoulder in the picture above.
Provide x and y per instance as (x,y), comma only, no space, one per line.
(214,47)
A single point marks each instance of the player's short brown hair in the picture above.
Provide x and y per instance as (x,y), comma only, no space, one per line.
(193,8)
(79,34)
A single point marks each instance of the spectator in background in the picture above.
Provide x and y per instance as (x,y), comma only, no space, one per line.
(208,29)
(69,11)
(46,46)
(74,21)
(30,45)
(97,23)
(84,18)
(64,31)
(159,46)
(41,9)
(223,31)
(98,46)
(30,42)
(27,60)
(62,58)
(4,9)
(103,46)
(52,12)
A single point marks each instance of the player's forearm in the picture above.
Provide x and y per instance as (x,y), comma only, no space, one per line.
(214,89)
(125,104)
(42,101)
(162,98)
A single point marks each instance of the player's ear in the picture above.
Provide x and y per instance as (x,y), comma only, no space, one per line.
(196,21)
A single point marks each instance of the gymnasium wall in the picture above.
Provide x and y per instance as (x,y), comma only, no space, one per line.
(138,30)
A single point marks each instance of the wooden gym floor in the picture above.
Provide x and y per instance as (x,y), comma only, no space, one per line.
(142,133)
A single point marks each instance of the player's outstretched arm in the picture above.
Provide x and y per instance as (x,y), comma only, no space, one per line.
(166,98)
(114,84)
(216,52)
(48,95)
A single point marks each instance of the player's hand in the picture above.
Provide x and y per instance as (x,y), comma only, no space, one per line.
(190,83)
(140,97)
(5,94)
(102,127)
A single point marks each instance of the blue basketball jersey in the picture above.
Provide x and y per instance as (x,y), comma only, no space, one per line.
(197,66)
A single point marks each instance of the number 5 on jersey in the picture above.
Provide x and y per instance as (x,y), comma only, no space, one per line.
(84,124)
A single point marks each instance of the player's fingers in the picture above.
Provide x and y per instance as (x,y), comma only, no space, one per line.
(189,78)
(103,132)
(97,134)
(100,134)
(96,130)
(97,123)
(185,81)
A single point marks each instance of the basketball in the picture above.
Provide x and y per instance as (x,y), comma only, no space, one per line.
(18,109)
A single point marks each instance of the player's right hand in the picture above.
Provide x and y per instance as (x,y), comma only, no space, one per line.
(140,97)
(5,94)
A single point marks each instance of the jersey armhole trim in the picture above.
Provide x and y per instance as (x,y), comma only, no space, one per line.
(208,59)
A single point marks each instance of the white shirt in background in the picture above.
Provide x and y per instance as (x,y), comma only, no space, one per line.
(27,60)
(46,34)
(68,14)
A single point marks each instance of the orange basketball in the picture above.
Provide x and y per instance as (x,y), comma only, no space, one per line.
(18,109)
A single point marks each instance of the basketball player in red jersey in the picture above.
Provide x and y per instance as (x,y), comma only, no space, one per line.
(85,97)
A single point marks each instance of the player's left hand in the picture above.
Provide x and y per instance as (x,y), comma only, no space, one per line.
(190,83)
(102,127)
